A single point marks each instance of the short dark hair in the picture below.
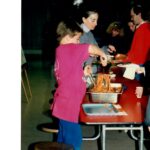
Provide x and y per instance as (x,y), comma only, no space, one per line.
(67,27)
(142,7)
(137,9)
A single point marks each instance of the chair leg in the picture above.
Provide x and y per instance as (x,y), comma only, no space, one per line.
(25,90)
(28,82)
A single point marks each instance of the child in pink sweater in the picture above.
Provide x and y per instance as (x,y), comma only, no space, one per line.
(70,57)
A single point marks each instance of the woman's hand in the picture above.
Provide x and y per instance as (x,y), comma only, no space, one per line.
(111,49)
(104,60)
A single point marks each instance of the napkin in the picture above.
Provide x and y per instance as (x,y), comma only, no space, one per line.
(130,71)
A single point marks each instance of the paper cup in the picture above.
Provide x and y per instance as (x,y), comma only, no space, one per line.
(139,91)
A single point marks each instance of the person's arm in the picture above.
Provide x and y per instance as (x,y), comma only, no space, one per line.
(147,69)
(94,50)
(144,69)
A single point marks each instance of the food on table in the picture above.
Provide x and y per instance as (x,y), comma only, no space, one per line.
(120,57)
(103,85)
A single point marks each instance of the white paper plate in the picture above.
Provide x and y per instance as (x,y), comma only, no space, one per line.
(128,65)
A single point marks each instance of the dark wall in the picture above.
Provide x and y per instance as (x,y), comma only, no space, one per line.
(40,18)
(37,13)
(34,16)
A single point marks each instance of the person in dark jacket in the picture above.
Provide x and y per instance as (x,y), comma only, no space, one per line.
(145,80)
(115,36)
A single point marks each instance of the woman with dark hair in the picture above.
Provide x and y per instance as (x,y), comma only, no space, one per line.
(89,18)
(89,22)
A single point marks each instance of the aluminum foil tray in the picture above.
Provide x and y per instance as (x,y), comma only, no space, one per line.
(103,109)
(98,97)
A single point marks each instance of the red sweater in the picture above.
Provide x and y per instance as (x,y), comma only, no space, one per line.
(140,46)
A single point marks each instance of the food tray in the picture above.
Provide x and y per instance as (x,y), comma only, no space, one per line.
(98,97)
(99,109)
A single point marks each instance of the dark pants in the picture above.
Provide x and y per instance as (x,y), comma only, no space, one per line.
(147,117)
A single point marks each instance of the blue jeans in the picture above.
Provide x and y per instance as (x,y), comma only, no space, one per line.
(70,133)
(147,117)
(138,76)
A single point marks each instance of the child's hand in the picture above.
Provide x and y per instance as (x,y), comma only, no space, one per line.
(87,70)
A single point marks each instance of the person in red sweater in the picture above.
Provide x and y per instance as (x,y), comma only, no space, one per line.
(140,46)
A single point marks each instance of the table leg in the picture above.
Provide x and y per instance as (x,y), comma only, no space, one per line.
(95,137)
(103,138)
(131,128)
(141,138)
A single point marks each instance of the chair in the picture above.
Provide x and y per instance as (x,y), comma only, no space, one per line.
(51,127)
(24,66)
(48,127)
(50,146)
(24,78)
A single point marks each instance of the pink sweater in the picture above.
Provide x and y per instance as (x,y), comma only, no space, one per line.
(71,87)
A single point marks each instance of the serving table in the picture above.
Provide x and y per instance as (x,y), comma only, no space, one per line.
(134,108)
